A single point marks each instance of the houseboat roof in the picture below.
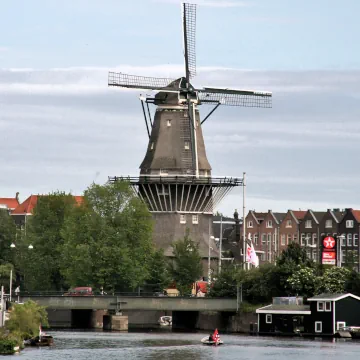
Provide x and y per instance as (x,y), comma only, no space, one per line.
(285,309)
(332,297)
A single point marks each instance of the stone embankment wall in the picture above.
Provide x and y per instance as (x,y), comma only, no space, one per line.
(227,322)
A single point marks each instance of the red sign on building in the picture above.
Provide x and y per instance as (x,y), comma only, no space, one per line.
(329,258)
(329,251)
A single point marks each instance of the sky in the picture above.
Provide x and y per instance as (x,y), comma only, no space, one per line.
(61,127)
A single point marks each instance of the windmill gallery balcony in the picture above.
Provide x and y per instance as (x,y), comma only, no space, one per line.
(180,193)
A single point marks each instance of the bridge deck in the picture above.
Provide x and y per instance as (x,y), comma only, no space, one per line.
(134,303)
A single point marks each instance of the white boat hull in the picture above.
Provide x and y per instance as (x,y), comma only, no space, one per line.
(206,341)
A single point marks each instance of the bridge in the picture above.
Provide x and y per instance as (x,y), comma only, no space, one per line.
(123,303)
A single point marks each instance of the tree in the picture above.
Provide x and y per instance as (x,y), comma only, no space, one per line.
(334,280)
(108,239)
(25,320)
(5,270)
(352,284)
(304,282)
(159,277)
(226,282)
(7,236)
(41,267)
(293,256)
(186,267)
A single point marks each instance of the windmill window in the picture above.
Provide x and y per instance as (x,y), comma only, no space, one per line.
(152,146)
(164,172)
(168,122)
(195,219)
(187,145)
(182,219)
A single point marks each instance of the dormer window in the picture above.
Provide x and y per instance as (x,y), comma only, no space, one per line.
(288,223)
(250,224)
(269,224)
(349,224)
(308,224)
(328,223)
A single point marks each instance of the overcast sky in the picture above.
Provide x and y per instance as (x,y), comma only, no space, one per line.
(61,127)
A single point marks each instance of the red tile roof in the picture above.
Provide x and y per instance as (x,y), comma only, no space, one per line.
(299,214)
(11,203)
(28,205)
(356,214)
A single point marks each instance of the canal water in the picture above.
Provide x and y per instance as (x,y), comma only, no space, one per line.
(76,345)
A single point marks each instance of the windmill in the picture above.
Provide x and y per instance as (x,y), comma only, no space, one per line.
(175,176)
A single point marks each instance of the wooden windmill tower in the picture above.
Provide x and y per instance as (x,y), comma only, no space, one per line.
(175,176)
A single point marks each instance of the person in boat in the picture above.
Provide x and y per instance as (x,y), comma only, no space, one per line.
(210,337)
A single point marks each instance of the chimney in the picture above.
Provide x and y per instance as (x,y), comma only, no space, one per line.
(17,196)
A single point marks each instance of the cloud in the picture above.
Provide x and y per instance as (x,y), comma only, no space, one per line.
(3,49)
(62,128)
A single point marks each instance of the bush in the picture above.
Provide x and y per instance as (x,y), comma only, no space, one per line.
(7,346)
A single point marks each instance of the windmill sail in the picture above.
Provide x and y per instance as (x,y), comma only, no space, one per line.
(189,27)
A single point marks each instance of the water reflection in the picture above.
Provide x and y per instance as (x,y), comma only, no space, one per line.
(182,346)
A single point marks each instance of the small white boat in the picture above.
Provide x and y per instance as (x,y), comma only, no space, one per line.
(165,321)
(205,340)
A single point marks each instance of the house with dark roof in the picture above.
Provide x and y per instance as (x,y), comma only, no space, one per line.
(309,234)
(330,312)
(289,230)
(349,228)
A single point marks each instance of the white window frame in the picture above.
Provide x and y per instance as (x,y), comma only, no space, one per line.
(195,219)
(250,224)
(308,239)
(186,145)
(164,172)
(269,256)
(256,239)
(269,224)
(328,224)
(182,219)
(288,240)
(327,308)
(283,240)
(308,224)
(340,324)
(168,122)
(288,223)
(356,240)
(343,239)
(268,318)
(317,330)
(302,239)
(263,238)
(349,239)
(262,256)
(269,238)
(318,307)
(294,238)
(314,239)
(314,256)
(349,224)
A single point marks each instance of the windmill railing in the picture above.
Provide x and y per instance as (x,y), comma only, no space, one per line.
(181,193)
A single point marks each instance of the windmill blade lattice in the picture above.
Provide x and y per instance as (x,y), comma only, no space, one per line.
(137,82)
(189,28)
(235,97)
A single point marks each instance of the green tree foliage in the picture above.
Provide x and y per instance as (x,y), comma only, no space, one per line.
(226,282)
(304,282)
(334,280)
(25,320)
(7,236)
(352,284)
(41,267)
(186,267)
(5,270)
(107,240)
(159,277)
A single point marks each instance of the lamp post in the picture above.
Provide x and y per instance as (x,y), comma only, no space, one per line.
(209,268)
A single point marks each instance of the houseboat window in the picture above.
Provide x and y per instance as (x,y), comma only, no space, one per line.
(308,224)
(328,223)
(318,326)
(320,306)
(269,318)
(327,305)
(340,324)
(182,219)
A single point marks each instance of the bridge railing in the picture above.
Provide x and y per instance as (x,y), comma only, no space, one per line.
(61,293)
